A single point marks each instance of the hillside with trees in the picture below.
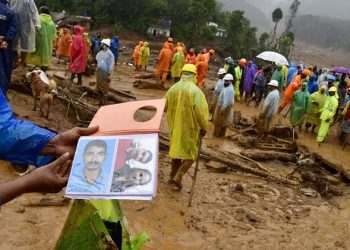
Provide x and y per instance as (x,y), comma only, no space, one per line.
(189,20)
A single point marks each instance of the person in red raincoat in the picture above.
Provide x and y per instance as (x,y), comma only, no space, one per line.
(78,54)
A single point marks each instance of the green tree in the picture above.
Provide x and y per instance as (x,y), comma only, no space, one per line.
(277,15)
(285,44)
(241,38)
(293,10)
(263,43)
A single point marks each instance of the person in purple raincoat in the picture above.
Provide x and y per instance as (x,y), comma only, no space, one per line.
(248,81)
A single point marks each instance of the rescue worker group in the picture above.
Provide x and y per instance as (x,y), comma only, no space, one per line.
(313,97)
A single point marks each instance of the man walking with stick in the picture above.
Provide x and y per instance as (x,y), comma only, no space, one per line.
(187,117)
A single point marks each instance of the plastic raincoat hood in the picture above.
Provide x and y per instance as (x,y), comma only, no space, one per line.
(78,30)
(187,112)
(45,18)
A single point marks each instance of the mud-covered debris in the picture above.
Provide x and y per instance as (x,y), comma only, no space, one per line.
(239,187)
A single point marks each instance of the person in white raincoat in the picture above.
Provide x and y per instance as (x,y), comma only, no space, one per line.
(269,110)
(217,91)
(105,64)
(223,115)
(28,23)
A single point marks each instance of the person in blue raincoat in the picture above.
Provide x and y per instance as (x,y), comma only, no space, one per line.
(23,142)
(8,30)
(115,45)
(312,85)
(292,72)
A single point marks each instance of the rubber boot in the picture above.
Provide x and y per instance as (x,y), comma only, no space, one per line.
(80,79)
(185,166)
(175,165)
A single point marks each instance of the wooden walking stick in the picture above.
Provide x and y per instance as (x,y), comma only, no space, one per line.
(195,171)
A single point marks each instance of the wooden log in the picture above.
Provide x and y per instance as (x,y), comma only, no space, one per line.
(269,155)
(148,85)
(284,132)
(49,202)
(122,93)
(233,164)
(145,76)
(216,167)
(276,149)
(325,163)
(95,93)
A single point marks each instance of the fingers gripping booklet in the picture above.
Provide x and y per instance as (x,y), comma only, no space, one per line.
(120,161)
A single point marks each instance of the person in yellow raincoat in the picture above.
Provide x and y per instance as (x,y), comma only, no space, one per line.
(144,55)
(327,115)
(238,77)
(177,63)
(318,100)
(285,75)
(187,117)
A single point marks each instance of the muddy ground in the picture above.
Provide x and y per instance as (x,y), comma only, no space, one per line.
(231,210)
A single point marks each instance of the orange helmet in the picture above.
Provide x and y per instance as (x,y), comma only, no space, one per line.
(242,62)
(306,72)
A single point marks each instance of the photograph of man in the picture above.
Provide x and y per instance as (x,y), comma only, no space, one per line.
(92,167)
(125,175)
(128,150)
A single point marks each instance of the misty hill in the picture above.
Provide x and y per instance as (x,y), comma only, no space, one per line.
(323,31)
(335,9)
(254,14)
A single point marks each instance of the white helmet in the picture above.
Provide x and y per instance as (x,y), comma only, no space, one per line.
(228,77)
(106,42)
(222,71)
(273,83)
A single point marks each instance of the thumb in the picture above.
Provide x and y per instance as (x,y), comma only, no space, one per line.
(87,131)
(59,163)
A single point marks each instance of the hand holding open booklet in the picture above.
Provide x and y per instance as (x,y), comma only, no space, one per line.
(121,160)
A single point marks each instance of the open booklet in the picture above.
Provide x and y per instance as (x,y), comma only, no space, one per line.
(120,161)
(109,167)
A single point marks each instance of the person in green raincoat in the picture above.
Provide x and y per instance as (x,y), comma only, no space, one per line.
(43,41)
(318,100)
(278,76)
(187,117)
(177,63)
(327,115)
(300,106)
(144,55)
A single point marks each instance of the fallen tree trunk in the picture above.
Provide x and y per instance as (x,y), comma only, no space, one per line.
(145,76)
(122,93)
(148,85)
(324,163)
(111,96)
(234,165)
(269,155)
